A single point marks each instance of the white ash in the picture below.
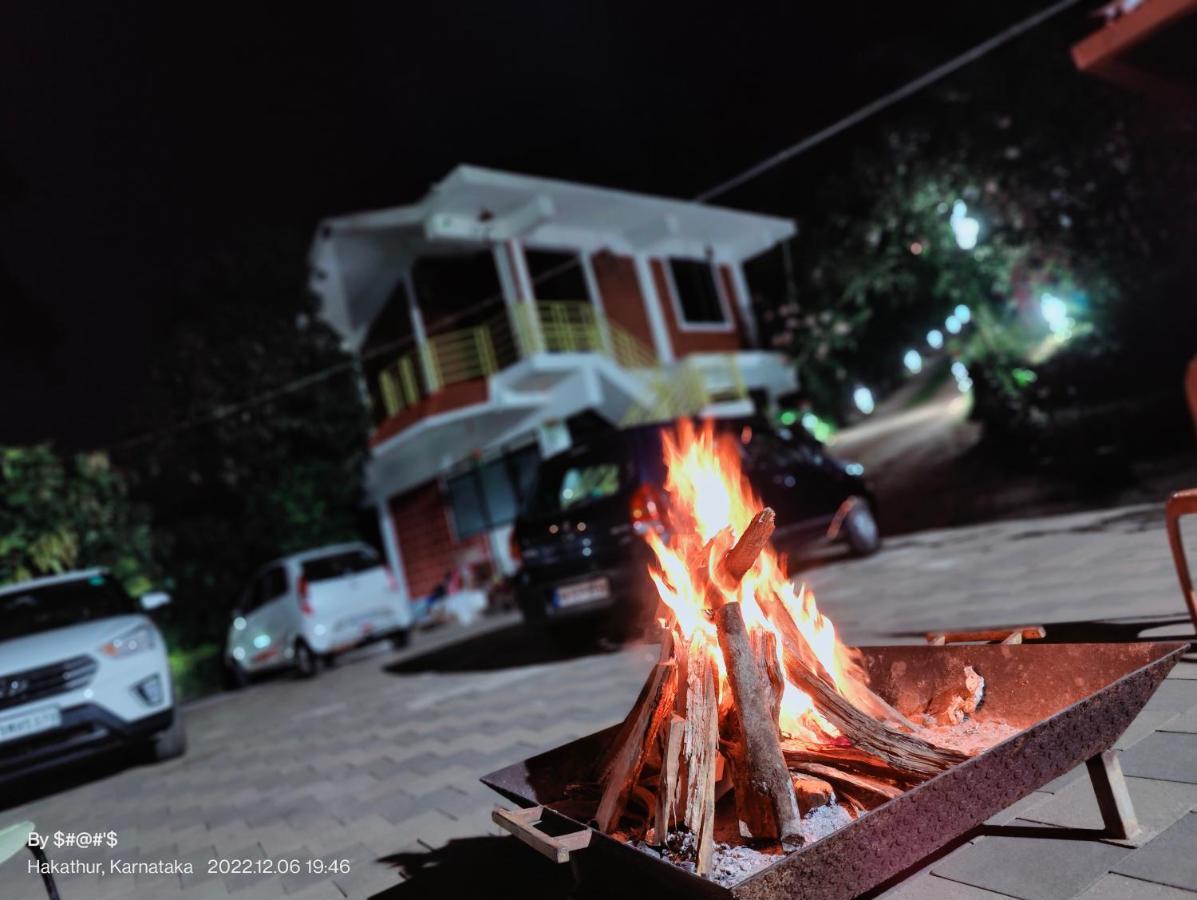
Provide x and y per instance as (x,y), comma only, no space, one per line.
(732,863)
(972,736)
(820,822)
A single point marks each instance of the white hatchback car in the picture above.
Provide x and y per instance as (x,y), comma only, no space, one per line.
(82,670)
(304,609)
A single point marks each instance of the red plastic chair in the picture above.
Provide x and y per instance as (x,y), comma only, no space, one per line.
(1182,503)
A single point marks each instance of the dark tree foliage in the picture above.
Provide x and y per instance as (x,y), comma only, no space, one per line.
(59,514)
(1081,189)
(264,460)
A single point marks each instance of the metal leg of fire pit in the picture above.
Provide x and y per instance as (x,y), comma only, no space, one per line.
(1113,798)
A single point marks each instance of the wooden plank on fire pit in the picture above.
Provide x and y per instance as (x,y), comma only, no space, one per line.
(1024,632)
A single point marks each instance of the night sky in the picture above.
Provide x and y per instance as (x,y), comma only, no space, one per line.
(136,138)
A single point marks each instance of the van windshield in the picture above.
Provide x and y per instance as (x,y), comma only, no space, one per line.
(50,606)
(340,564)
(571,484)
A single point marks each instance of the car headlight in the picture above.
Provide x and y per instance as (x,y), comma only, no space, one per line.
(132,641)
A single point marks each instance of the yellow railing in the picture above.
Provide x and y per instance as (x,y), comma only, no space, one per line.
(526,329)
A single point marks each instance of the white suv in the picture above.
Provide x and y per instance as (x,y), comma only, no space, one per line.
(82,670)
(304,609)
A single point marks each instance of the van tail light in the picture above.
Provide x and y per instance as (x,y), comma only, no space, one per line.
(392,581)
(513,548)
(646,510)
(301,588)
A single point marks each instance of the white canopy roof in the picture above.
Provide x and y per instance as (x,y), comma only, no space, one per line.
(357,259)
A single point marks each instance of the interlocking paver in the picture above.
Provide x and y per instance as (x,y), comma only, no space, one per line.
(1158,805)
(1166,755)
(1171,858)
(933,887)
(1042,867)
(1119,887)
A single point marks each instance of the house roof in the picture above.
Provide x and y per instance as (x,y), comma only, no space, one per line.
(1145,45)
(357,258)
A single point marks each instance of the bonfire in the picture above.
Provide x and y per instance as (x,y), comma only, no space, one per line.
(754,693)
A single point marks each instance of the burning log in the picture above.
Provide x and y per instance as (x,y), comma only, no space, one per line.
(811,792)
(869,792)
(667,786)
(634,742)
(903,752)
(847,759)
(765,772)
(700,744)
(764,646)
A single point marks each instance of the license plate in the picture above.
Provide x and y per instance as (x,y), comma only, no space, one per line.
(364,622)
(581,592)
(44,719)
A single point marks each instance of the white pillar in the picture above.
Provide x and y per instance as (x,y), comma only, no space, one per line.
(517,294)
(744,302)
(506,275)
(423,351)
(652,306)
(519,264)
(390,545)
(596,300)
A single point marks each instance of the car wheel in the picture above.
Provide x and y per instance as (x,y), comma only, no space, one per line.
(401,639)
(307,661)
(172,742)
(860,529)
(235,677)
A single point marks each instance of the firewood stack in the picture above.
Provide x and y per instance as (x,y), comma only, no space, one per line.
(683,745)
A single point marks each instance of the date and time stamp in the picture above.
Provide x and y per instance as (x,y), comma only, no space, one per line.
(116,865)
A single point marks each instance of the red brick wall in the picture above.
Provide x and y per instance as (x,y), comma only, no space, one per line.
(426,540)
(692,341)
(464,393)
(620,291)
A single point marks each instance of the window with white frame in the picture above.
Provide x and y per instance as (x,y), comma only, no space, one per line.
(697,292)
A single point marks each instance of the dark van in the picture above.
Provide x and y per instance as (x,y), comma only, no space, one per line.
(579,535)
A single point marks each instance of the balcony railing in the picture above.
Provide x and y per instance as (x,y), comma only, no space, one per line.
(513,334)
(525,330)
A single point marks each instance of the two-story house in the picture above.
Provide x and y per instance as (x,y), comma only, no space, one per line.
(502,314)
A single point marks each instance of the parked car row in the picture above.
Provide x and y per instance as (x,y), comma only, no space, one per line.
(84,669)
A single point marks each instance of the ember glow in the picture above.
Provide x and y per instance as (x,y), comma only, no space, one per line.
(711,503)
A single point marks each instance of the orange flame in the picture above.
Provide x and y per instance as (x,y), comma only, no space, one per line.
(711,503)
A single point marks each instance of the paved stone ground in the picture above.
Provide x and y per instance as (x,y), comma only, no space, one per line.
(378,763)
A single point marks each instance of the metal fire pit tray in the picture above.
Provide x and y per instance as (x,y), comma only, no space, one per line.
(1072,701)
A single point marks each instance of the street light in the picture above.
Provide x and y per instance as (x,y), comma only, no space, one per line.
(863,398)
(965,228)
(1055,314)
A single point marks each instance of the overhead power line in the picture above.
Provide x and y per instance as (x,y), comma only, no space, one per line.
(881,103)
(724,187)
